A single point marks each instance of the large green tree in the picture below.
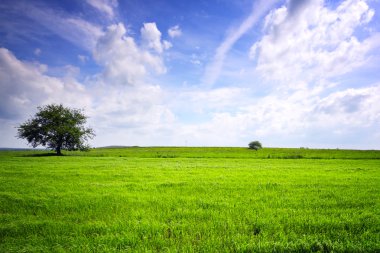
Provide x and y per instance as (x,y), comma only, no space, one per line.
(57,128)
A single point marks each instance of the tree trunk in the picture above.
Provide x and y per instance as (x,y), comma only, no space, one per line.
(58,150)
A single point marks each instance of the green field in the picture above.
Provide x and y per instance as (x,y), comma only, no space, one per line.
(190,200)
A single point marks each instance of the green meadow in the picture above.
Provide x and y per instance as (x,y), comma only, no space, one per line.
(176,199)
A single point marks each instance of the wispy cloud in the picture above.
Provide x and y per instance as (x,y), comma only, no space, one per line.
(106,7)
(175,31)
(72,28)
(83,58)
(37,51)
(214,68)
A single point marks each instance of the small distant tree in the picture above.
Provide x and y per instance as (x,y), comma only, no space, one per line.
(256,145)
(57,128)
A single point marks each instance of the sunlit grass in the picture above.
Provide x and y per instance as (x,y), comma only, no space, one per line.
(125,201)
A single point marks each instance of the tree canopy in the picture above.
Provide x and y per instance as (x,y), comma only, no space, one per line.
(57,128)
(255,145)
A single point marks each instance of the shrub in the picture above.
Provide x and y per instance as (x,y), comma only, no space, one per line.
(256,145)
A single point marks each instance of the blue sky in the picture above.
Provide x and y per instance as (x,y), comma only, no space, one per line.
(198,73)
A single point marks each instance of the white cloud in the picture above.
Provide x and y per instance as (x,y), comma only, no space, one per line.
(71,28)
(195,59)
(125,104)
(166,44)
(123,60)
(130,107)
(131,115)
(120,114)
(214,68)
(350,108)
(175,31)
(208,100)
(151,38)
(105,6)
(304,47)
(314,43)
(111,105)
(83,58)
(148,115)
(297,119)
(37,51)
(25,85)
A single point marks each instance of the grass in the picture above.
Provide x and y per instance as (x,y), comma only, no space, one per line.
(212,152)
(190,200)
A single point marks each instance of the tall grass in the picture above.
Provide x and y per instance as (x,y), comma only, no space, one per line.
(125,201)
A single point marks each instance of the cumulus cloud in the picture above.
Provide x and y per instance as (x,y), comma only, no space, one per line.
(296,119)
(144,114)
(304,47)
(127,112)
(151,38)
(295,6)
(104,6)
(25,85)
(131,115)
(351,107)
(175,31)
(125,102)
(308,42)
(124,61)
(110,103)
